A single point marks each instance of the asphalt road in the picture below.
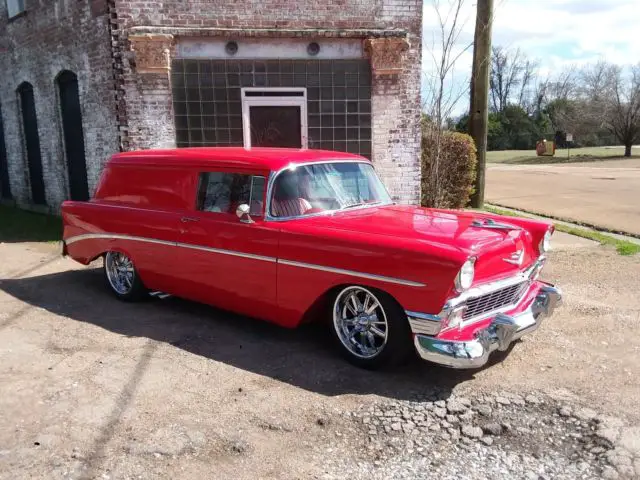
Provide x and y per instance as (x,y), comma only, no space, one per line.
(605,194)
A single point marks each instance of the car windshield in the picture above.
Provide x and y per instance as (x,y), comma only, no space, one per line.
(324,187)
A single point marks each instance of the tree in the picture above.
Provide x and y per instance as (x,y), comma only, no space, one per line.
(511,76)
(439,101)
(622,115)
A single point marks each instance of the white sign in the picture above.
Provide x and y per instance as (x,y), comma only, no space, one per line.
(569,137)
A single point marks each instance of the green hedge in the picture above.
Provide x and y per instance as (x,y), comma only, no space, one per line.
(450,185)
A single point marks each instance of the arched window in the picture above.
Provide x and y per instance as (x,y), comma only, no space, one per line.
(32,142)
(73,134)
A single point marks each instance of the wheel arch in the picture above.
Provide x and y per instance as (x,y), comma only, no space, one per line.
(322,304)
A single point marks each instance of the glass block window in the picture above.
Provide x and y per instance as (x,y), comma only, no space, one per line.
(208,107)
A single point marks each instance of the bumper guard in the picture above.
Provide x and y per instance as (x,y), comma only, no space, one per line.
(502,331)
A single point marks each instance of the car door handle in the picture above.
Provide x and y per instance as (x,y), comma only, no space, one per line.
(189,219)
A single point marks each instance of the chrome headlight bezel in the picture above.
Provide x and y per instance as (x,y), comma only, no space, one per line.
(464,278)
(545,243)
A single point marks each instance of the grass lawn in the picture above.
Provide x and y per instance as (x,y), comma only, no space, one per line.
(586,154)
(18,225)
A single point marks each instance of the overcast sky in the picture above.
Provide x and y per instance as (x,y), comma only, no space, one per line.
(558,33)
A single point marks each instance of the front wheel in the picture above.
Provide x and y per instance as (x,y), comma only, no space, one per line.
(370,328)
(122,277)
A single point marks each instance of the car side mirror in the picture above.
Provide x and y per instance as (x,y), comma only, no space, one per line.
(243,213)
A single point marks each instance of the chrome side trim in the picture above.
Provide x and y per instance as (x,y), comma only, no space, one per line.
(424,323)
(227,252)
(352,273)
(339,271)
(115,236)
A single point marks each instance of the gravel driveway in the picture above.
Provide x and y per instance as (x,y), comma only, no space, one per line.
(95,388)
(604,194)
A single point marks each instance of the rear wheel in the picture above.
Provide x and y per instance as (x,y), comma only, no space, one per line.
(122,277)
(370,328)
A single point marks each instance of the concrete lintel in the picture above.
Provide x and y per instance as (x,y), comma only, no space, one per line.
(268,32)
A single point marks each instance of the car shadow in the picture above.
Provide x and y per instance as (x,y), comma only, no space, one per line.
(302,357)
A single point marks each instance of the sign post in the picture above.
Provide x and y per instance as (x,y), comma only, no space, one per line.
(569,139)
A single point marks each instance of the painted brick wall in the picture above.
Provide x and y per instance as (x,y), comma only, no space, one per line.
(54,36)
(395,101)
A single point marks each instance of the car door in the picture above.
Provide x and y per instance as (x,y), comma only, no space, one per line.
(227,261)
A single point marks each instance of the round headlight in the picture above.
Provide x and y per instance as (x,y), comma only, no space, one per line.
(545,244)
(465,276)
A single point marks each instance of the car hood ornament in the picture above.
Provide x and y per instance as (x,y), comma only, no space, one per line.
(490,223)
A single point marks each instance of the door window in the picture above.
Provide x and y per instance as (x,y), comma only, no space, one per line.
(222,192)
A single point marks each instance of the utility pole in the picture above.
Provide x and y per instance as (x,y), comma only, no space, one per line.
(479,110)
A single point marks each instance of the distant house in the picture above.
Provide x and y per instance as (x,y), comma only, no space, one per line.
(84,79)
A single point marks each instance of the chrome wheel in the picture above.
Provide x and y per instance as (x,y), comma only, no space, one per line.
(120,272)
(360,322)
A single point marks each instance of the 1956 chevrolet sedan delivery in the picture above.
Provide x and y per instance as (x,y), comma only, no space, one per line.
(300,235)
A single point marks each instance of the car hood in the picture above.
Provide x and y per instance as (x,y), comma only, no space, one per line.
(499,247)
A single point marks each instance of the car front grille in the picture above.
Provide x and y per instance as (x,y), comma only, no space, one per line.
(495,300)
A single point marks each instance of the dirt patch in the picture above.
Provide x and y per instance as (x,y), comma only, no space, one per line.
(170,389)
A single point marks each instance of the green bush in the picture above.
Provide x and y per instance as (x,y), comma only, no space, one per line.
(447,183)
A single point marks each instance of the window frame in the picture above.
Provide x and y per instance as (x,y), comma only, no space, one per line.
(274,177)
(201,191)
(21,6)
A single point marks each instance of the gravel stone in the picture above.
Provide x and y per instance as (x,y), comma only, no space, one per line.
(456,407)
(630,440)
(609,422)
(532,400)
(608,434)
(503,401)
(626,471)
(492,428)
(609,473)
(484,410)
(542,444)
(471,431)
(565,411)
(440,412)
(618,458)
(466,417)
(585,414)
(452,419)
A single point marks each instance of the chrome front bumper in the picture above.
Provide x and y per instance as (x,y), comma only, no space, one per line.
(502,331)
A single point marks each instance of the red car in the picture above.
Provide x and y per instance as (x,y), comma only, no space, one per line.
(300,235)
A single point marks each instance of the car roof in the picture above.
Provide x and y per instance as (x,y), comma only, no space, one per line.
(259,158)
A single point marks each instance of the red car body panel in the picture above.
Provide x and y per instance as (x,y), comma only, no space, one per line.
(145,206)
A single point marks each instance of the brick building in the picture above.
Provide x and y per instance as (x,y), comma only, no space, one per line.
(82,79)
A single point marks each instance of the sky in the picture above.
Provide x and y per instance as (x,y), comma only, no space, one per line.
(560,34)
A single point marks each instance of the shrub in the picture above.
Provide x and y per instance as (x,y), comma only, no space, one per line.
(447,182)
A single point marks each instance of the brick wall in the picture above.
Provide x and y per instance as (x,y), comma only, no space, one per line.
(51,37)
(395,100)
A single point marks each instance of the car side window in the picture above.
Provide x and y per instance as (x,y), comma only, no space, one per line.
(223,192)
